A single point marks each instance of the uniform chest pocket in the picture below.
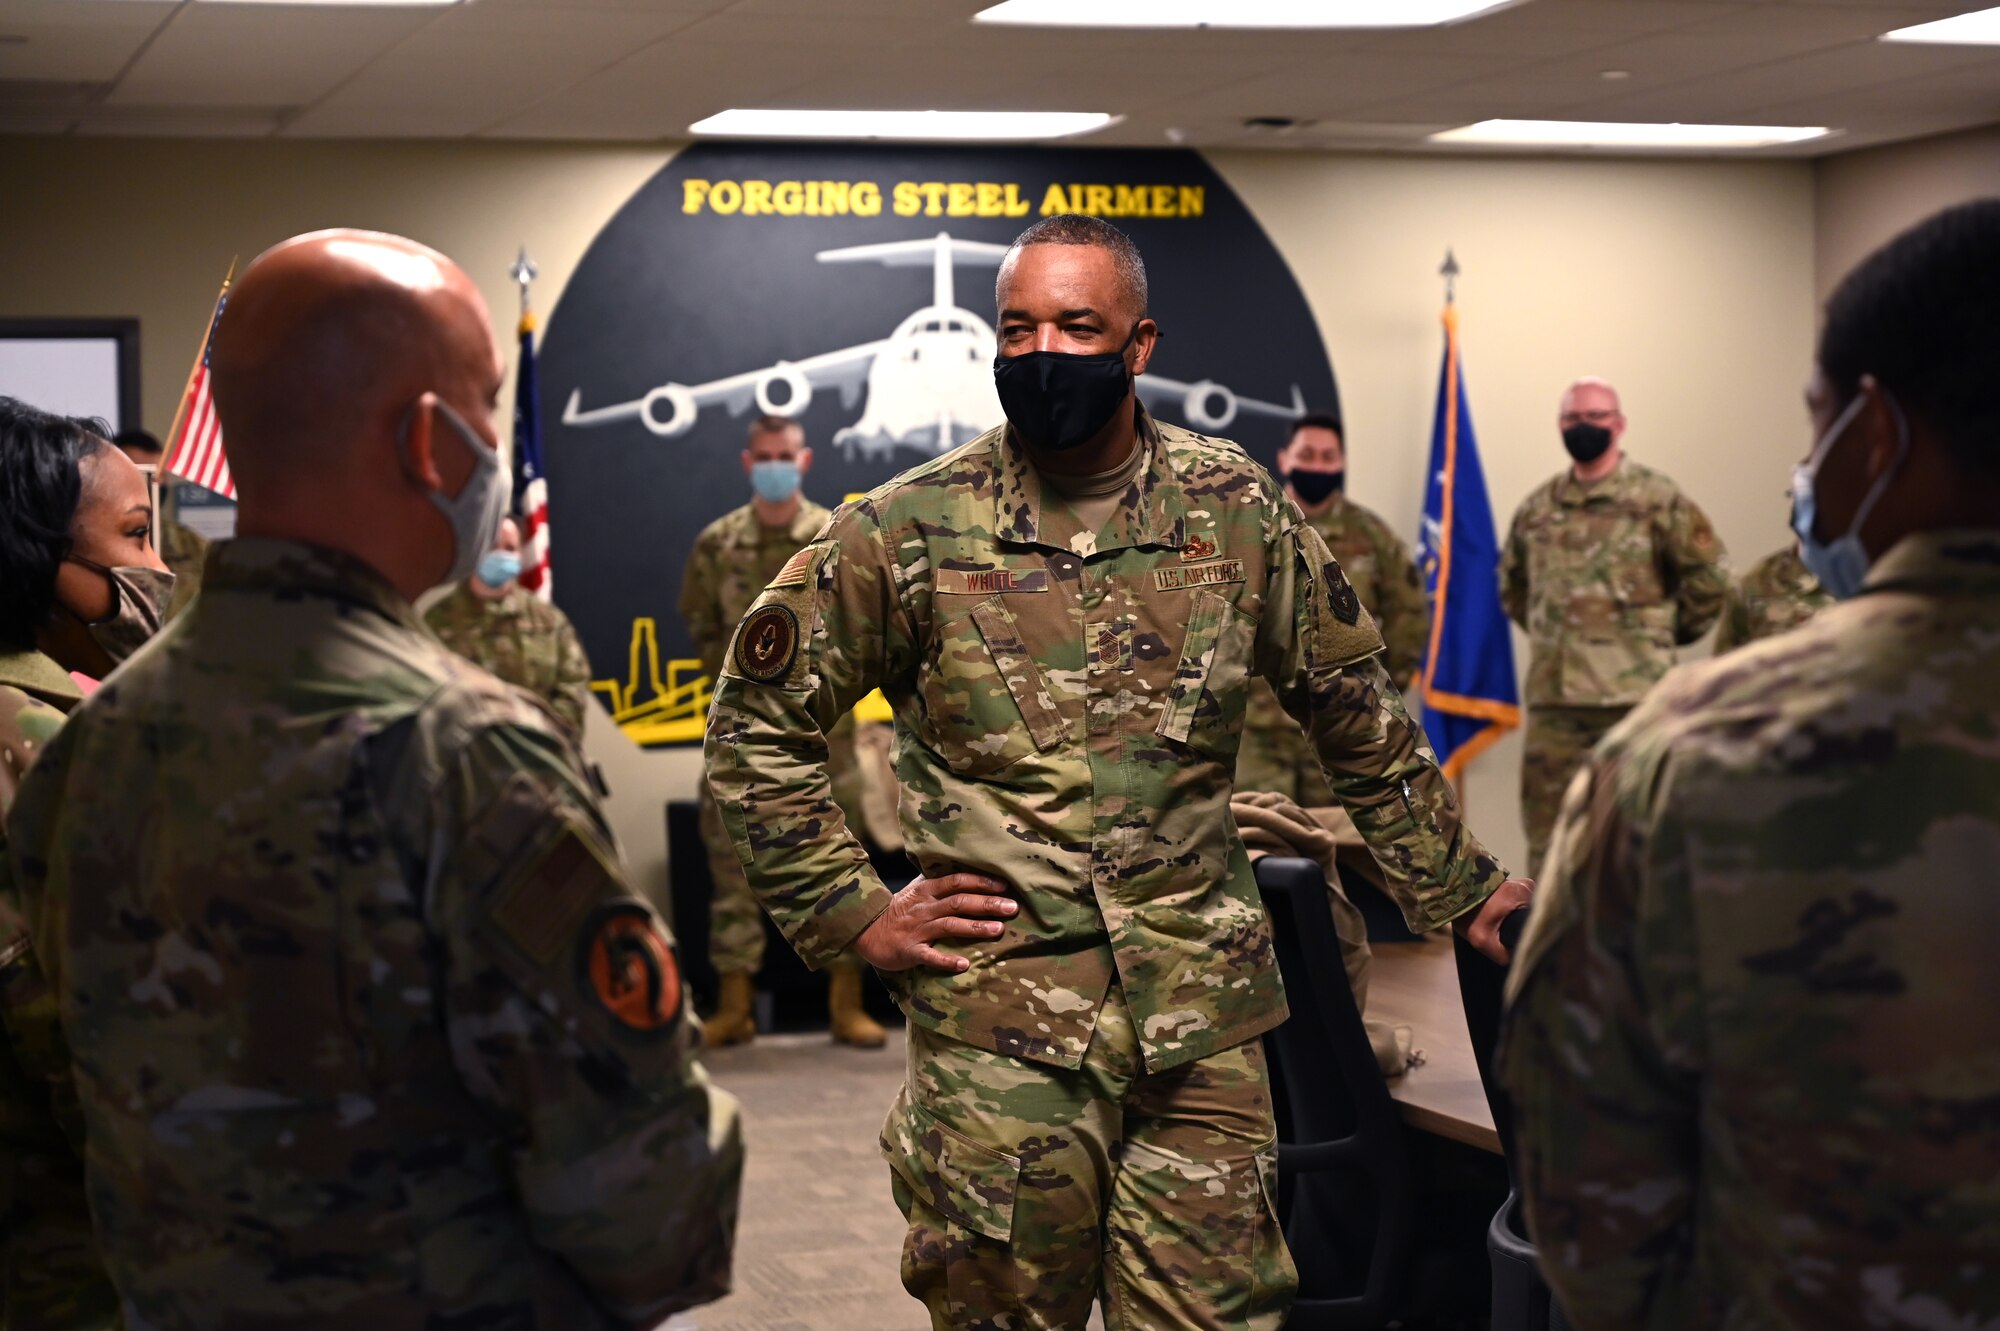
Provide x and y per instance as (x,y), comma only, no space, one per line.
(1211,686)
(985,698)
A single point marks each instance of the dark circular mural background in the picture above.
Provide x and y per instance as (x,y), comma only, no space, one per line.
(664,296)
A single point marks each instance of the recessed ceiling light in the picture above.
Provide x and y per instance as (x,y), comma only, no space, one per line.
(1625,134)
(1236,13)
(1615,74)
(902,124)
(1979,28)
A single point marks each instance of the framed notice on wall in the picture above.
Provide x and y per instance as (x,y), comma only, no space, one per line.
(74,367)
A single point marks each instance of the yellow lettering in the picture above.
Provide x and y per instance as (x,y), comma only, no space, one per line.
(1053,202)
(726,197)
(1096,200)
(832,198)
(1193,197)
(866,198)
(1131,201)
(1016,205)
(788,198)
(756,197)
(961,196)
(933,198)
(908,201)
(990,204)
(692,193)
(1163,201)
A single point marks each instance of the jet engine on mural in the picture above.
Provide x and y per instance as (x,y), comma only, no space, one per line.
(928,384)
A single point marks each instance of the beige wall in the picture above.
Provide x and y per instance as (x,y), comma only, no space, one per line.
(1689,284)
(1864,198)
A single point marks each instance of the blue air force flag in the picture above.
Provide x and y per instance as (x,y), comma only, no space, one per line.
(1468,689)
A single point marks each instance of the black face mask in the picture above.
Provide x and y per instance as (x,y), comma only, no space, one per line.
(1059,400)
(1314,487)
(1586,443)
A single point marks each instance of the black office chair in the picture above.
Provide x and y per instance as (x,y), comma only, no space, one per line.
(1521,1298)
(1347,1195)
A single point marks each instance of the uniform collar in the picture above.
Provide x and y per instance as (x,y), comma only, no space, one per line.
(746,530)
(38,676)
(293,570)
(1959,562)
(1569,490)
(1158,518)
(508,603)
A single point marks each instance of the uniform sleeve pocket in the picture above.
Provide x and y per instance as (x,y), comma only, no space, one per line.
(1205,703)
(968,1183)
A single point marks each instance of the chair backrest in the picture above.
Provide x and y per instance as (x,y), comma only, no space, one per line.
(1481,984)
(1347,1200)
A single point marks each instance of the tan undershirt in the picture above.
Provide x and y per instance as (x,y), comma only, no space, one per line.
(1094,498)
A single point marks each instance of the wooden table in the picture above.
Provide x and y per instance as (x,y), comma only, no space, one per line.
(1416,985)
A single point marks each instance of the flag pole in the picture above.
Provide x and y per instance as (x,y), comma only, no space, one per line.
(180,410)
(524,273)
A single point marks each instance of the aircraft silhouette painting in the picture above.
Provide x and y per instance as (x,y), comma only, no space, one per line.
(928,385)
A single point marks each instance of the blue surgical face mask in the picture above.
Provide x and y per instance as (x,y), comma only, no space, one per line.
(1841,565)
(498,568)
(774,480)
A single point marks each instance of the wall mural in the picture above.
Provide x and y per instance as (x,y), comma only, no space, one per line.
(852,289)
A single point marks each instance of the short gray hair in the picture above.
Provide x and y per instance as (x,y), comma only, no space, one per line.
(1082,229)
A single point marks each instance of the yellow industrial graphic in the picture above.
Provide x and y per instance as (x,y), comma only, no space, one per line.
(654,710)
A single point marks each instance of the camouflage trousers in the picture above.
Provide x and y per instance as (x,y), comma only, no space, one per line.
(735,920)
(1032,1190)
(1558,740)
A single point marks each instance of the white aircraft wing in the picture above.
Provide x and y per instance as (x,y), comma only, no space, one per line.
(1207,405)
(918,253)
(845,369)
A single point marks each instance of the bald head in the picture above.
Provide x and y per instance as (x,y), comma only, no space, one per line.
(327,341)
(1589,394)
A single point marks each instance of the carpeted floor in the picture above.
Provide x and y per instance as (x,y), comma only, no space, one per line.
(819,1240)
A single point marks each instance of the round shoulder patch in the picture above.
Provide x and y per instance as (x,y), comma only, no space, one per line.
(767,642)
(628,965)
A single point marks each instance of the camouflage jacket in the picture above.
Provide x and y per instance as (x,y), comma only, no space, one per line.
(731,563)
(367,1029)
(1777,594)
(523,640)
(1379,568)
(1753,1079)
(1069,725)
(50,1271)
(1608,579)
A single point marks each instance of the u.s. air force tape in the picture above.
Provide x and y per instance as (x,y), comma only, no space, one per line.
(767,643)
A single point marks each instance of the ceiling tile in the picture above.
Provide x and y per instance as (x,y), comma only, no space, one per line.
(70,39)
(261,55)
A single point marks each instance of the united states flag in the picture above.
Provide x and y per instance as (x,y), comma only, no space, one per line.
(194,453)
(531,492)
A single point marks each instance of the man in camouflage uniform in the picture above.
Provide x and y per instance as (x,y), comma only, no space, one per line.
(183,548)
(366,1027)
(1065,615)
(734,559)
(494,622)
(1313,465)
(1749,1040)
(1608,567)
(1777,595)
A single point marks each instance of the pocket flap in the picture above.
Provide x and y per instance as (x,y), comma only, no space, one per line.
(1017,666)
(968,1183)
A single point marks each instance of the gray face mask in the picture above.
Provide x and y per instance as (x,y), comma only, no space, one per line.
(476,514)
